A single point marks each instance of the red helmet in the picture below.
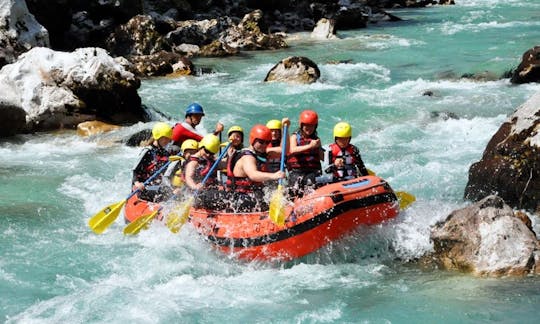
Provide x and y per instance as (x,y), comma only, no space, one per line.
(309,117)
(260,132)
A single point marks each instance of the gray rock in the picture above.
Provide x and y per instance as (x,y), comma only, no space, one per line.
(486,239)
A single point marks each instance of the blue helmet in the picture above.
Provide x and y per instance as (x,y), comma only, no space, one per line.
(194,109)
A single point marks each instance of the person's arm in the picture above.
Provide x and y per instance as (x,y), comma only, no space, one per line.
(219,128)
(250,169)
(359,162)
(295,148)
(190,172)
(181,132)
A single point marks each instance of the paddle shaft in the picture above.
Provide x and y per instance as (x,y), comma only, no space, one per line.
(283,147)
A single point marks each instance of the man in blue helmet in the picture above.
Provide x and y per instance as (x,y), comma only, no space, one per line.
(186,129)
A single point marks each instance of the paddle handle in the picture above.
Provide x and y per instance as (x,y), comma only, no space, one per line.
(283,146)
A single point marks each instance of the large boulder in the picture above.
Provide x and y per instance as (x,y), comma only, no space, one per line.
(528,69)
(19,31)
(294,69)
(510,165)
(486,238)
(59,89)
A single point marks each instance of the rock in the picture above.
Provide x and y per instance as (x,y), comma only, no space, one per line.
(486,239)
(139,139)
(247,35)
(135,38)
(161,63)
(294,69)
(13,119)
(510,165)
(95,127)
(19,30)
(529,68)
(59,89)
(324,29)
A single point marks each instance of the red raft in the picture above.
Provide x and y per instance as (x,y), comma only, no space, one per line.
(327,214)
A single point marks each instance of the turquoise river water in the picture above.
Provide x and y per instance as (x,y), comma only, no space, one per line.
(53,269)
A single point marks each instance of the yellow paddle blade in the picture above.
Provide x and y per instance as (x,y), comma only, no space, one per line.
(371,172)
(137,225)
(178,217)
(277,210)
(105,217)
(405,199)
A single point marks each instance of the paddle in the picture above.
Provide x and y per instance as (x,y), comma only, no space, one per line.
(179,215)
(277,210)
(105,217)
(404,198)
(137,225)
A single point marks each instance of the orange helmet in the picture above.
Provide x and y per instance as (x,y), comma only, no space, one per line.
(309,117)
(260,132)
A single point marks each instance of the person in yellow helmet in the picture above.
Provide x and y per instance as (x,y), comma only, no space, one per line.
(173,175)
(274,148)
(344,158)
(151,159)
(199,164)
(236,137)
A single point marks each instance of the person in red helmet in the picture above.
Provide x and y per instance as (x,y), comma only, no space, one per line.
(306,154)
(247,172)
(186,129)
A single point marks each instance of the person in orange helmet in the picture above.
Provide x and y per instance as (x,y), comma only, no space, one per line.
(306,154)
(247,172)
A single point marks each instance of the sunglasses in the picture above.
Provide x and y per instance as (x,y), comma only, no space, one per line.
(208,152)
(263,142)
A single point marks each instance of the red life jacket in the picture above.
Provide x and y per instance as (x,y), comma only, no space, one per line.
(307,160)
(202,169)
(244,184)
(348,156)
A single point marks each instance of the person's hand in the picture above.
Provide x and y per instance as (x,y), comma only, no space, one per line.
(138,186)
(339,162)
(219,127)
(315,143)
(286,121)
(279,175)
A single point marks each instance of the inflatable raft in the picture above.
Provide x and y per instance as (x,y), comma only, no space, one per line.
(323,216)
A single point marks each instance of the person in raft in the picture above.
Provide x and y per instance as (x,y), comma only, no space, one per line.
(186,129)
(236,137)
(247,172)
(344,158)
(151,159)
(173,176)
(305,156)
(275,126)
(197,167)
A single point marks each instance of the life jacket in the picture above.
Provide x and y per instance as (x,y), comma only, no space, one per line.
(244,184)
(274,164)
(307,160)
(151,159)
(202,169)
(349,158)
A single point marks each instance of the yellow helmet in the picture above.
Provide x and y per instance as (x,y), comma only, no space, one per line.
(342,130)
(235,129)
(189,144)
(161,130)
(274,124)
(210,142)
